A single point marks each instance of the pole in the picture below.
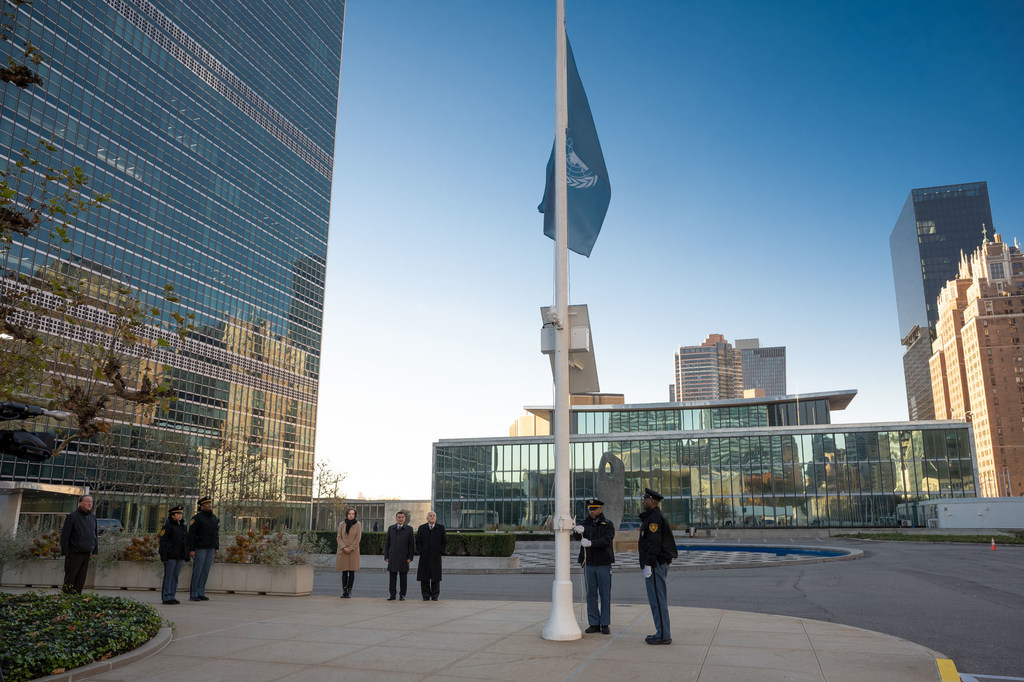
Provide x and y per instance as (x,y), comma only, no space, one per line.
(561,625)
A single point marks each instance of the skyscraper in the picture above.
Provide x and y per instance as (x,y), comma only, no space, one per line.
(710,371)
(977,368)
(763,367)
(211,125)
(935,226)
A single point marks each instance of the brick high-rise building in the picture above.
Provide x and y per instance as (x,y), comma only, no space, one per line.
(977,368)
(711,371)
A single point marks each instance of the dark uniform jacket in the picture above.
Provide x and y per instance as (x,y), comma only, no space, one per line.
(430,544)
(173,544)
(657,546)
(399,548)
(79,534)
(600,532)
(204,531)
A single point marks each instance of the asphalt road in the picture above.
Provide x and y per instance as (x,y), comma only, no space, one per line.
(965,601)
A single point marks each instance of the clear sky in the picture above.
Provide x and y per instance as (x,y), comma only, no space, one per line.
(759,153)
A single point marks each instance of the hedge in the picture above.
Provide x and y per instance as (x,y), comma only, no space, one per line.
(459,544)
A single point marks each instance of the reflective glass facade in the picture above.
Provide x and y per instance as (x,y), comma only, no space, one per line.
(936,224)
(722,476)
(211,125)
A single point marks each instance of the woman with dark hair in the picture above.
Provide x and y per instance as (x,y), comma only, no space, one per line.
(350,531)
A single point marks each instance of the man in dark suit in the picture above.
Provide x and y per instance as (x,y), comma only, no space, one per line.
(399,549)
(431,541)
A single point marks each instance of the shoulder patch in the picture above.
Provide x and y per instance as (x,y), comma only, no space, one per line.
(161,533)
(653,527)
(192,521)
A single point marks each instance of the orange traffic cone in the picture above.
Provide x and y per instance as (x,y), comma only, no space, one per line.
(993,544)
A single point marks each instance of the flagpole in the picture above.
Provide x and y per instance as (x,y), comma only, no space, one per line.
(561,623)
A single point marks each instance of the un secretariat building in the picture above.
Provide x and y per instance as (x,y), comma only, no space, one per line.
(751,462)
(211,125)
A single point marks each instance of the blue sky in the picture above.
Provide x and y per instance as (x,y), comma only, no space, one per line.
(759,154)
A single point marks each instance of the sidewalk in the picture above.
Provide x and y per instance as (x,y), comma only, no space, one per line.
(252,638)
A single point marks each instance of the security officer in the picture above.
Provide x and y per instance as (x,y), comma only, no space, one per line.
(596,555)
(657,550)
(173,552)
(203,543)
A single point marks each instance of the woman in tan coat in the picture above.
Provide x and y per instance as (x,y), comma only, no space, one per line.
(350,532)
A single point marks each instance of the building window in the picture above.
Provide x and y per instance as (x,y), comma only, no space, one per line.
(996,270)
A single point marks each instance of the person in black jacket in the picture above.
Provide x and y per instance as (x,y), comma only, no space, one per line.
(203,542)
(597,556)
(173,552)
(399,550)
(657,550)
(431,541)
(79,539)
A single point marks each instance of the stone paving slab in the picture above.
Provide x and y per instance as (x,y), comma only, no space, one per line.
(252,638)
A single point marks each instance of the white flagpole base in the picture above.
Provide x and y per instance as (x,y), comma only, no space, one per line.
(561,625)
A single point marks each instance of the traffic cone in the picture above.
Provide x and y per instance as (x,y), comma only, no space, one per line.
(993,544)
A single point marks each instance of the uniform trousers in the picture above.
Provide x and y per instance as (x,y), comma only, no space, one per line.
(599,594)
(657,596)
(200,572)
(172,569)
(76,566)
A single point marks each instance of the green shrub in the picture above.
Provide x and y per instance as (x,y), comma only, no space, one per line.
(923,537)
(48,634)
(328,539)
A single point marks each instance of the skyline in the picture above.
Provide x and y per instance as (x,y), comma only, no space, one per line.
(783,139)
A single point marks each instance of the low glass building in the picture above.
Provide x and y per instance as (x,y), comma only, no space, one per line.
(734,463)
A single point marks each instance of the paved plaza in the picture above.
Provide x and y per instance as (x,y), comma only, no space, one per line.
(255,638)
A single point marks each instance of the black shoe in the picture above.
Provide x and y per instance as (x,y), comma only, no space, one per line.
(204,598)
(194,599)
(401,598)
(592,629)
(426,599)
(392,598)
(170,601)
(605,630)
(433,598)
(347,595)
(657,640)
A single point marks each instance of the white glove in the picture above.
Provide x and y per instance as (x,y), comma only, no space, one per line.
(647,572)
(585,542)
(578,530)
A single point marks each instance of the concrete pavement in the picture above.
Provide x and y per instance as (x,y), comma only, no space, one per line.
(252,638)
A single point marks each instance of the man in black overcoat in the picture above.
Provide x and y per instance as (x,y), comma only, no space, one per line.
(399,550)
(431,541)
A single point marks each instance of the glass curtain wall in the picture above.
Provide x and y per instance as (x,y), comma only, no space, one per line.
(841,477)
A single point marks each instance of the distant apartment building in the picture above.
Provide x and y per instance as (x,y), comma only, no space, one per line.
(935,226)
(710,371)
(763,367)
(977,369)
(718,370)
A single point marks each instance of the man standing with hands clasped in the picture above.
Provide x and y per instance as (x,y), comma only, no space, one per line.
(399,550)
(657,550)
(596,534)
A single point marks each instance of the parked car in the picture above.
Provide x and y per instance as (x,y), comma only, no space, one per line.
(629,525)
(103,525)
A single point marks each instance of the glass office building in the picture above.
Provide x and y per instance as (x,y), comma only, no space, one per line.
(739,463)
(211,125)
(934,227)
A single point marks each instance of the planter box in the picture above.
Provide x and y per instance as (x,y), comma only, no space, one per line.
(36,573)
(148,575)
(296,581)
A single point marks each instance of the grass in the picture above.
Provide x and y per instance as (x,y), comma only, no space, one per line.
(914,537)
(45,634)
